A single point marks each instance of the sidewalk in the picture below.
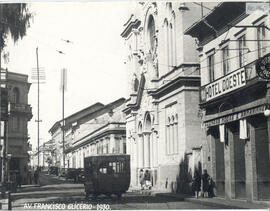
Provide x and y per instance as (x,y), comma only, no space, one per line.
(212,202)
(216,202)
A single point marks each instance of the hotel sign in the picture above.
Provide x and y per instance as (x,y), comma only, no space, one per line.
(228,83)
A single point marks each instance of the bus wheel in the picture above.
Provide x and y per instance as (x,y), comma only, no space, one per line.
(108,194)
(86,195)
(119,195)
(95,195)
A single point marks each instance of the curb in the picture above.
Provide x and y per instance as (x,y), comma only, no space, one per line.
(213,204)
(210,203)
(170,196)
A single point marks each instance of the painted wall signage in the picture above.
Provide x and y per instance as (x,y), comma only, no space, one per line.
(235,116)
(228,83)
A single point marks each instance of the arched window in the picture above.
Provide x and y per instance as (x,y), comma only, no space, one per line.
(172,144)
(170,45)
(172,135)
(166,43)
(168,135)
(15,95)
(175,126)
(170,37)
(174,51)
(151,32)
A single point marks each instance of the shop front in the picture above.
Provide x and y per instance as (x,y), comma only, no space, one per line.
(237,128)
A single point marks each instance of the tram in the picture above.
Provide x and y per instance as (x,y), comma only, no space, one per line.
(107,174)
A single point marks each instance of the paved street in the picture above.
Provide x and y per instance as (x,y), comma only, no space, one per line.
(65,193)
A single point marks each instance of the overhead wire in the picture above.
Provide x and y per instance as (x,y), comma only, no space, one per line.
(201,5)
(200,68)
(45,44)
(236,56)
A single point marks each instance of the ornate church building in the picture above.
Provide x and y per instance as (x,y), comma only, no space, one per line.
(163,125)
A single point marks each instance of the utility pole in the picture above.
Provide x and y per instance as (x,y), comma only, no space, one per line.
(63,88)
(37,75)
(38,103)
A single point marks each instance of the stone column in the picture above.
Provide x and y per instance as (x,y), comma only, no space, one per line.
(229,168)
(147,149)
(140,151)
(121,145)
(112,143)
(251,173)
(151,160)
(157,146)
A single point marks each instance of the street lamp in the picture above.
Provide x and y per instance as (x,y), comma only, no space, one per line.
(266,112)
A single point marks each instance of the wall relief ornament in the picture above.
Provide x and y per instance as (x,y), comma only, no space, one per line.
(263,67)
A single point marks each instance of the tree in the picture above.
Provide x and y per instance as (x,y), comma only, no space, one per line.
(14,20)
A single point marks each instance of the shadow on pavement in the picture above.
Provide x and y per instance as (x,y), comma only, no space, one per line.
(46,188)
(75,197)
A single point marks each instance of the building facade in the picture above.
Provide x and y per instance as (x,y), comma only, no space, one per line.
(20,112)
(102,133)
(56,132)
(97,129)
(46,155)
(234,100)
(163,131)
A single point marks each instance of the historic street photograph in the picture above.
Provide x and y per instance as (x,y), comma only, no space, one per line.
(128,105)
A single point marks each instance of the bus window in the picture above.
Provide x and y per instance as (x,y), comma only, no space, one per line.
(103,170)
(118,167)
(114,167)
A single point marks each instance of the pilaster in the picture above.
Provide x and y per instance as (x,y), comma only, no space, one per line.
(229,168)
(251,173)
(212,142)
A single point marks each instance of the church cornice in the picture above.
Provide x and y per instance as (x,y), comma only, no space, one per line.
(132,25)
(175,84)
(175,68)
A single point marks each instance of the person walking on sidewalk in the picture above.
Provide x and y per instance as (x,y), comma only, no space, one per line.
(141,177)
(205,183)
(147,179)
(211,187)
(36,176)
(196,183)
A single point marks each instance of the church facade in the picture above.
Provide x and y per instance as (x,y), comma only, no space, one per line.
(162,123)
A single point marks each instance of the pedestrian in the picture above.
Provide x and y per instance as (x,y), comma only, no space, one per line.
(211,187)
(36,176)
(147,179)
(29,176)
(18,180)
(205,181)
(141,177)
(196,183)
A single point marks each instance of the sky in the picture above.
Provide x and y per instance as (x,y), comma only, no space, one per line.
(94,58)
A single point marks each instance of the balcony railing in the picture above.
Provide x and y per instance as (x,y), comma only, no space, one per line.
(230,82)
(21,108)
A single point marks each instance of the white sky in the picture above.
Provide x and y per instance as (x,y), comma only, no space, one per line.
(94,61)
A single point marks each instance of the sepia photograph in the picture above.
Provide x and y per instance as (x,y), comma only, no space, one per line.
(134,105)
